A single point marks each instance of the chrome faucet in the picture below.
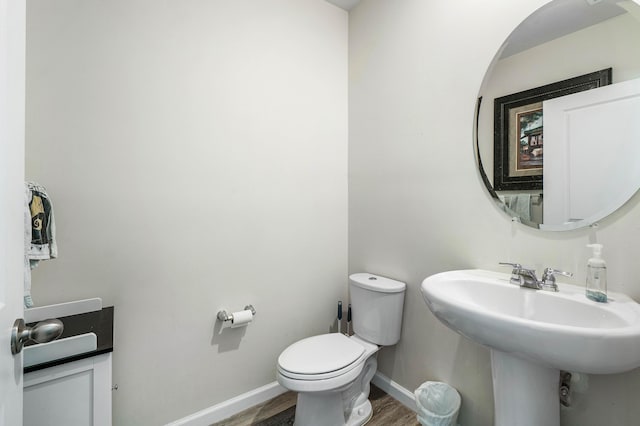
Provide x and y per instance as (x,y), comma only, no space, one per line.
(525,277)
(549,278)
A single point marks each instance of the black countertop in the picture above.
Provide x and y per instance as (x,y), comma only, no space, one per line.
(98,322)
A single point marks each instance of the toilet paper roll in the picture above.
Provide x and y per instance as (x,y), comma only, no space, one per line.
(241,318)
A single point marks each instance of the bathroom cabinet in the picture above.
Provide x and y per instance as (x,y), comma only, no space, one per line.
(71,388)
(72,394)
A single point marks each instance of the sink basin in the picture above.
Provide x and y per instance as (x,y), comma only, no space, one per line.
(563,330)
(58,349)
(533,334)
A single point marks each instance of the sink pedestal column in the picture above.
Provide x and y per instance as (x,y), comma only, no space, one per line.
(524,393)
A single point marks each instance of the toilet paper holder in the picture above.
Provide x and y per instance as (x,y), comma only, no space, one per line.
(224,316)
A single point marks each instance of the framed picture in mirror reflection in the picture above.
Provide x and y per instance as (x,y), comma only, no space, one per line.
(519,130)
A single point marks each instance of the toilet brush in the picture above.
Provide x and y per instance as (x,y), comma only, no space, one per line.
(339,315)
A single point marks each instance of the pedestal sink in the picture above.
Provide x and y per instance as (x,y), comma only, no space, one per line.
(533,334)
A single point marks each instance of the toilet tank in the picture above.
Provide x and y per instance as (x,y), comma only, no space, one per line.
(376,308)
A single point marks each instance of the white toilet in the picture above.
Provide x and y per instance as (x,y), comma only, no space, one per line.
(332,372)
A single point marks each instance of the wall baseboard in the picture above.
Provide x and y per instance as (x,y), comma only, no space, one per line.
(397,392)
(232,406)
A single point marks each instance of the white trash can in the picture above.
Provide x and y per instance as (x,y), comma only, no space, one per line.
(438,404)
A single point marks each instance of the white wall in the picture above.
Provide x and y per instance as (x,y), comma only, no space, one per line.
(196,154)
(418,206)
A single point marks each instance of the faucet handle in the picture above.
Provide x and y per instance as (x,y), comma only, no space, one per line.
(517,272)
(550,272)
(549,278)
(516,266)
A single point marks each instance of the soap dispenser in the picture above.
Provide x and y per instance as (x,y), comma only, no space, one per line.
(596,275)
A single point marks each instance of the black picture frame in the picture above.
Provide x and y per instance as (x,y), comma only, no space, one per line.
(510,111)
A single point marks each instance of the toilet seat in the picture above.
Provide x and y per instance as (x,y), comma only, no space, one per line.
(320,357)
(325,356)
(352,359)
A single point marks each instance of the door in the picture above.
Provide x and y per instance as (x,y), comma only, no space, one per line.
(12,103)
(597,126)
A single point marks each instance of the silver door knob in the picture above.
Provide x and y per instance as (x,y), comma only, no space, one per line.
(43,332)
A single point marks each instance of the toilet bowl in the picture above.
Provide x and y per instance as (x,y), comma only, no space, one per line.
(332,372)
(321,369)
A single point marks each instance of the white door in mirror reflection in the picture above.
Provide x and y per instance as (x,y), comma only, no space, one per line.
(587,168)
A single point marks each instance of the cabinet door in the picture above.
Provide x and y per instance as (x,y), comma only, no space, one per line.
(66,400)
(73,394)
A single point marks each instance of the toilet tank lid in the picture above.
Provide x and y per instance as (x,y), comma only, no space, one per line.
(377,283)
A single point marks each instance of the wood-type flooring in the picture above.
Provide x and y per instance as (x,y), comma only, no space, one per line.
(280,411)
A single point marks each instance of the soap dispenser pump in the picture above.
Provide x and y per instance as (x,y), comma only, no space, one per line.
(596,275)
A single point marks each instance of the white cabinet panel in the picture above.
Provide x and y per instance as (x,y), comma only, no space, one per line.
(73,394)
(67,400)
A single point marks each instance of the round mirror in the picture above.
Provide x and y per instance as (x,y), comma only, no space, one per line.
(557,132)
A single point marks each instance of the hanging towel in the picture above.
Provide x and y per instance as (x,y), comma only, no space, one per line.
(28,302)
(40,233)
(517,206)
(521,204)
